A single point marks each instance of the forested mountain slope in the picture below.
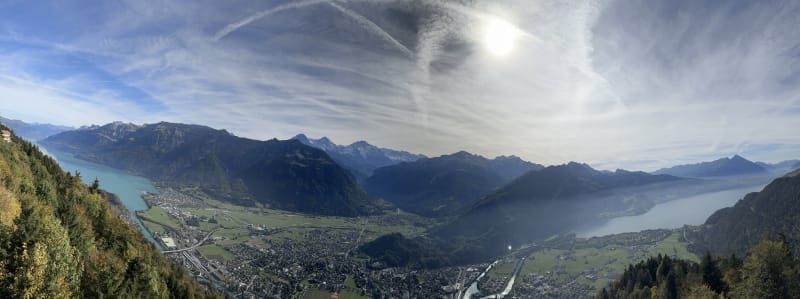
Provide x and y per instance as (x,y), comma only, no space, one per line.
(768,271)
(446,184)
(283,174)
(59,238)
(773,211)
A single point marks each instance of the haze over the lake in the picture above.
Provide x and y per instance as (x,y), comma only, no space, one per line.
(692,210)
(631,84)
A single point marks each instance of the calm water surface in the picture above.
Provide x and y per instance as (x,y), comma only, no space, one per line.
(693,210)
(128,187)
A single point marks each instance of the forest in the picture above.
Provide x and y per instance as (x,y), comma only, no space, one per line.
(60,239)
(769,271)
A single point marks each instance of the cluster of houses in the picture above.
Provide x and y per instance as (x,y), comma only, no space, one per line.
(6,135)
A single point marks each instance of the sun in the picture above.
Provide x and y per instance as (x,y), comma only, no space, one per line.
(499,36)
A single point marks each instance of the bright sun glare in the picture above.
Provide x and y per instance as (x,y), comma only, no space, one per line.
(499,35)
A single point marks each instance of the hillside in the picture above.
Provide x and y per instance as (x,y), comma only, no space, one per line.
(33,131)
(735,165)
(360,157)
(766,214)
(60,239)
(536,205)
(768,271)
(541,203)
(443,185)
(761,227)
(282,174)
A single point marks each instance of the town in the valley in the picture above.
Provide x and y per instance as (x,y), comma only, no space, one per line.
(257,252)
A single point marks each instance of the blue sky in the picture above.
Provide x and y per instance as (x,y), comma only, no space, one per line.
(633,84)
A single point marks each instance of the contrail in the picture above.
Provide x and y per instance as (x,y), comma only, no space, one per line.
(374,28)
(235,26)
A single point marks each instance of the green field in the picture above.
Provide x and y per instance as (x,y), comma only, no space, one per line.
(159,215)
(233,223)
(153,227)
(235,219)
(604,262)
(213,250)
(503,269)
(350,291)
(347,291)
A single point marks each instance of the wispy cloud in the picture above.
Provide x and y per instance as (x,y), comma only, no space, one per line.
(631,84)
(264,13)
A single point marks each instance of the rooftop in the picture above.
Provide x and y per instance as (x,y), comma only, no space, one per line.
(169,242)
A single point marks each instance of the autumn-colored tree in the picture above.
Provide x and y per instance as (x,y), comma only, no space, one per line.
(60,239)
(770,271)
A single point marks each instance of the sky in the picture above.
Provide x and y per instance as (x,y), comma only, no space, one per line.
(616,84)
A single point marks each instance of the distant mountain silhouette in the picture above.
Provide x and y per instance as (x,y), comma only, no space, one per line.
(511,167)
(283,174)
(783,166)
(735,165)
(442,185)
(33,131)
(770,213)
(360,157)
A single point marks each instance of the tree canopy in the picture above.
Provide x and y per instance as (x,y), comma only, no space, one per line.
(60,239)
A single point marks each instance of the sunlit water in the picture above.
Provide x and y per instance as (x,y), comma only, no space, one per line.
(692,210)
(128,187)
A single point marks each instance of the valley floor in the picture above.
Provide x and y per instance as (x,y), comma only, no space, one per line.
(261,252)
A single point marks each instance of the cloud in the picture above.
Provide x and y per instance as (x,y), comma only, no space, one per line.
(630,84)
(264,13)
(374,28)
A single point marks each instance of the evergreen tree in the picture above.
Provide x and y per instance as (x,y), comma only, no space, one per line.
(95,186)
(712,276)
(670,289)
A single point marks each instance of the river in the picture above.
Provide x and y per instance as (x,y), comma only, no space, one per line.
(693,210)
(473,288)
(128,187)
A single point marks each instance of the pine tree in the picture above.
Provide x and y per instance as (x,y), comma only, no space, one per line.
(95,186)
(670,289)
(712,276)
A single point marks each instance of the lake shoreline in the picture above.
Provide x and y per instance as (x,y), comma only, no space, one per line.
(127,187)
(691,210)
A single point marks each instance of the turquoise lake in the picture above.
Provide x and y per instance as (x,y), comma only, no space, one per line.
(128,187)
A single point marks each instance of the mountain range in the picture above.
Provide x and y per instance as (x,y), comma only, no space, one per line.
(736,165)
(33,131)
(443,185)
(545,202)
(360,157)
(281,174)
(535,205)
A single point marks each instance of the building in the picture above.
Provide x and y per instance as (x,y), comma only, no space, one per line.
(168,242)
(6,135)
